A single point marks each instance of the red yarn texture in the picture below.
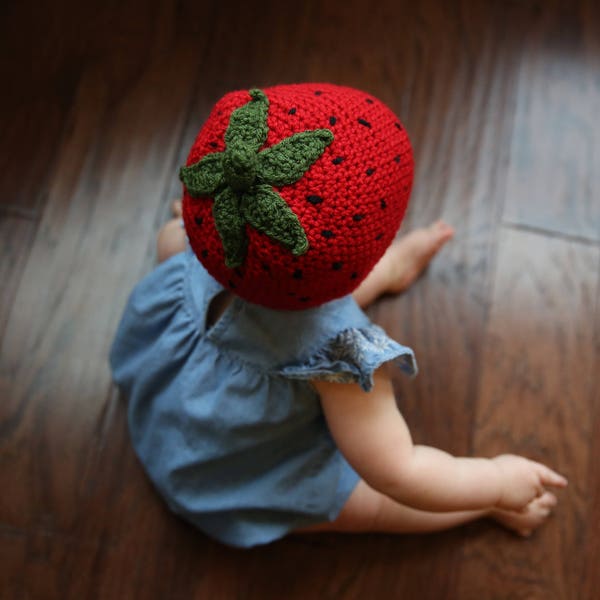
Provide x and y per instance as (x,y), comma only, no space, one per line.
(350,202)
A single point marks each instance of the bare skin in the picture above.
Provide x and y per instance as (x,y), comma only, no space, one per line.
(171,237)
(367,510)
(403,263)
(521,508)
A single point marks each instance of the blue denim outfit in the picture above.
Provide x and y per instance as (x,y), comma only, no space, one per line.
(224,419)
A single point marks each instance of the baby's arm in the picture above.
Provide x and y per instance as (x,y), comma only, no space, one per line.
(373,436)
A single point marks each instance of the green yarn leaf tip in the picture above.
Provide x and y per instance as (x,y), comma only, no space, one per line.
(286,162)
(204,177)
(248,123)
(270,214)
(231,227)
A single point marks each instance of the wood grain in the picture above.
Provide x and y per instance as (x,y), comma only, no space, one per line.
(590,550)
(16,237)
(40,79)
(555,153)
(540,374)
(47,48)
(90,244)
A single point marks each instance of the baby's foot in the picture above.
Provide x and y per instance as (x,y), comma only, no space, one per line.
(407,258)
(534,515)
(176,208)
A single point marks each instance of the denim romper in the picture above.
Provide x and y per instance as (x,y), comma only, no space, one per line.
(224,419)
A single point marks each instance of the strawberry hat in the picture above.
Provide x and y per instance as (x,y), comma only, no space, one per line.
(294,192)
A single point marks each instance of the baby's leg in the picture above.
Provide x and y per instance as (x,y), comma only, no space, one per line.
(171,237)
(370,511)
(403,262)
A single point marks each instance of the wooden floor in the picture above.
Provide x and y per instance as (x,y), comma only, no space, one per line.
(99,106)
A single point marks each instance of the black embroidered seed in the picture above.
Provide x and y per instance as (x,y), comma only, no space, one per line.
(370,171)
(297,274)
(358,217)
(213,144)
(204,253)
(336,266)
(304,299)
(354,275)
(198,221)
(397,158)
(231,284)
(327,234)
(332,120)
(379,237)
(318,93)
(338,160)
(397,126)
(292,111)
(365,123)
(369,101)
(383,203)
(314,199)
(265,267)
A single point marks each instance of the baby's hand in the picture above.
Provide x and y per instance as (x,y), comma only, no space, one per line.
(523,480)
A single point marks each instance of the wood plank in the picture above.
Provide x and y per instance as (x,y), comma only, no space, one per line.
(12,559)
(540,372)
(109,184)
(590,580)
(42,70)
(185,565)
(16,238)
(38,91)
(554,180)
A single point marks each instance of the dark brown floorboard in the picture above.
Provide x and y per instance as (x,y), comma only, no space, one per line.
(109,184)
(556,127)
(16,237)
(101,103)
(537,399)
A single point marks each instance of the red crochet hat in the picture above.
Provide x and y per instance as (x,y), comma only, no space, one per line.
(293,193)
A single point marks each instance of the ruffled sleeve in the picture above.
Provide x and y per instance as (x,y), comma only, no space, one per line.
(352,356)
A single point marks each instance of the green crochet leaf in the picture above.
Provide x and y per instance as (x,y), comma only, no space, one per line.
(240,180)
(248,123)
(231,227)
(287,161)
(204,177)
(269,213)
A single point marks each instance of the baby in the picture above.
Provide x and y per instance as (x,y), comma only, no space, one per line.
(260,400)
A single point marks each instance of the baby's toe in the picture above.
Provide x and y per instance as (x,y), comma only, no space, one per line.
(546,501)
(176,208)
(525,533)
(441,231)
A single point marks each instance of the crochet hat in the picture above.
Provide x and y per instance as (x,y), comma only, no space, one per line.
(293,193)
